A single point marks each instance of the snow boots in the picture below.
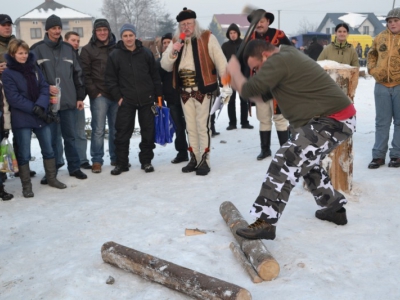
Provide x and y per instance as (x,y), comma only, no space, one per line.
(25,176)
(338,217)
(258,230)
(51,174)
(265,138)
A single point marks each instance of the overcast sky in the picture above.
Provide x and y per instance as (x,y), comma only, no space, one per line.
(292,12)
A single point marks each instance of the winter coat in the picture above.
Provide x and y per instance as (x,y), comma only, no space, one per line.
(67,69)
(343,53)
(314,50)
(133,75)
(171,95)
(94,58)
(3,48)
(383,58)
(366,51)
(16,91)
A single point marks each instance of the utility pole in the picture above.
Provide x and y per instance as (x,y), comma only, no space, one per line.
(393,3)
(279,18)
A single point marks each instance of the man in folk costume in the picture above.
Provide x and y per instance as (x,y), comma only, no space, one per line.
(195,57)
(268,111)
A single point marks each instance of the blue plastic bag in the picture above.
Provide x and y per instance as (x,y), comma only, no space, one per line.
(164,125)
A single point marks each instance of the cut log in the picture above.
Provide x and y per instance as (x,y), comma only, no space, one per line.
(173,276)
(256,252)
(245,263)
(339,163)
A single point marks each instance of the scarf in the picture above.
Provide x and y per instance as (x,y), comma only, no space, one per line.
(29,72)
(6,40)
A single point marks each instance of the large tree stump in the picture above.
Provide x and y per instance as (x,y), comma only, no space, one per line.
(339,163)
(257,253)
(175,277)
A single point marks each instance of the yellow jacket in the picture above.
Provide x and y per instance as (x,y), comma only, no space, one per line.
(383,61)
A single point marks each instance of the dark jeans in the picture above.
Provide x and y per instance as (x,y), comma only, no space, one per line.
(232,110)
(181,144)
(68,132)
(23,139)
(124,126)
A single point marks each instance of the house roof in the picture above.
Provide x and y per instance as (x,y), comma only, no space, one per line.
(50,7)
(354,20)
(227,19)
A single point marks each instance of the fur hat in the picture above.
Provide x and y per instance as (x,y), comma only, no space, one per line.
(394,13)
(128,27)
(52,21)
(186,14)
(167,36)
(267,15)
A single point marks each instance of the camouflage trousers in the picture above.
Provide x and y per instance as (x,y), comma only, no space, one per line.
(299,157)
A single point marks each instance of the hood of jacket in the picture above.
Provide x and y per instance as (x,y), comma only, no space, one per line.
(234,27)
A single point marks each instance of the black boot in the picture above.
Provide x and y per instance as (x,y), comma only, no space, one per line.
(258,230)
(4,195)
(24,175)
(265,137)
(338,217)
(191,166)
(51,174)
(283,136)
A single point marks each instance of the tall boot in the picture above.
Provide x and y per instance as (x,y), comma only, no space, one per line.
(192,165)
(25,176)
(265,137)
(51,173)
(283,136)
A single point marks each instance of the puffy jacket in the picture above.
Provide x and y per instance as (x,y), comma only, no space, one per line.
(384,57)
(133,75)
(16,91)
(343,53)
(94,58)
(67,69)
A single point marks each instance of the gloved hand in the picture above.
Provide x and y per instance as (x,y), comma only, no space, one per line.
(6,133)
(40,113)
(52,117)
(226,93)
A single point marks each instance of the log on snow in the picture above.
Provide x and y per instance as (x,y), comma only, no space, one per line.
(257,253)
(173,276)
(245,263)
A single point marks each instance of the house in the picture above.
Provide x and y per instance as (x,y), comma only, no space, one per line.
(224,20)
(359,23)
(30,27)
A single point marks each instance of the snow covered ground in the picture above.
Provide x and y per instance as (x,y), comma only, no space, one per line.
(50,244)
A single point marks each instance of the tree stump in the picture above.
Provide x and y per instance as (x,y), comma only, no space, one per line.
(339,163)
(175,277)
(258,255)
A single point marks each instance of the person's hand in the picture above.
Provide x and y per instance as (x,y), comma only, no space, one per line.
(53,90)
(80,105)
(3,66)
(120,101)
(177,46)
(226,93)
(40,113)
(6,133)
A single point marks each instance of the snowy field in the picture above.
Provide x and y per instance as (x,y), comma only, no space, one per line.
(50,244)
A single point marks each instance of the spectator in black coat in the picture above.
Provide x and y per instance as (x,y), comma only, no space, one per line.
(315,49)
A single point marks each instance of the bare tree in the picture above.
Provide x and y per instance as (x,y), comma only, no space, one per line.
(305,26)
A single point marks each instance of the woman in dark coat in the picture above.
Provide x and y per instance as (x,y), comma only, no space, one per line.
(28,96)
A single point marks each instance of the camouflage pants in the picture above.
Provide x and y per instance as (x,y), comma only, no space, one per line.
(301,156)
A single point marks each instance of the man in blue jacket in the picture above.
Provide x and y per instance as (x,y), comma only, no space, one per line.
(57,59)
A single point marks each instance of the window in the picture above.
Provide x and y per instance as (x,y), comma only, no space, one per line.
(34,22)
(333,30)
(328,31)
(365,29)
(65,25)
(36,33)
(77,21)
(78,30)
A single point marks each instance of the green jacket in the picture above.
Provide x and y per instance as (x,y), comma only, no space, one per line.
(301,87)
(3,49)
(341,53)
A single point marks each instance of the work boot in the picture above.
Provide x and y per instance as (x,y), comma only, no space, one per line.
(338,217)
(258,230)
(191,166)
(4,195)
(119,169)
(147,168)
(394,162)
(231,127)
(376,163)
(265,138)
(24,175)
(78,174)
(283,136)
(51,173)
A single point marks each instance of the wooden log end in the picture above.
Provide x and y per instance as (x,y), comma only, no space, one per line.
(268,269)
(243,295)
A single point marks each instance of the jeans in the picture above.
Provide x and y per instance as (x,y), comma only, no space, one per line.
(59,150)
(387,107)
(81,140)
(101,107)
(68,131)
(23,138)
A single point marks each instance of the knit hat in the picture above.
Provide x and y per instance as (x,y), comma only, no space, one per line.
(4,19)
(167,36)
(186,14)
(52,21)
(267,15)
(128,27)
(233,27)
(394,13)
(101,23)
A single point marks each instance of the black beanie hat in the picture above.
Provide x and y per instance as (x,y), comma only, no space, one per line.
(166,36)
(186,14)
(52,21)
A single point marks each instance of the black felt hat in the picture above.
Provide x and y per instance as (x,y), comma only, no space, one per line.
(186,14)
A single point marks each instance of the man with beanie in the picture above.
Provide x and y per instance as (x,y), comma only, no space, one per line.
(57,59)
(230,48)
(268,110)
(383,65)
(94,58)
(133,80)
(172,97)
(195,57)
